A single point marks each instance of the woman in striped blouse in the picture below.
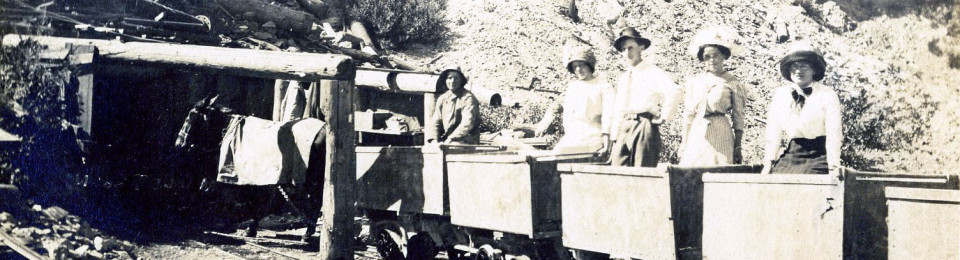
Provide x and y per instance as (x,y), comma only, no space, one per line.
(710,97)
(807,113)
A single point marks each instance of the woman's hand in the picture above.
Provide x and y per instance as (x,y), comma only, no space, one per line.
(767,165)
(737,155)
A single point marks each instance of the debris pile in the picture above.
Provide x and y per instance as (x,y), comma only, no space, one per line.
(55,233)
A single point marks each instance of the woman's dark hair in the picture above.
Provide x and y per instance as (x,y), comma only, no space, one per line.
(723,50)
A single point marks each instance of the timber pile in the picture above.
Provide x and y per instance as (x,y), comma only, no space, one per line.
(292,26)
(53,233)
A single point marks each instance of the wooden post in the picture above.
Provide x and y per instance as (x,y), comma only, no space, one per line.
(85,56)
(336,236)
(429,104)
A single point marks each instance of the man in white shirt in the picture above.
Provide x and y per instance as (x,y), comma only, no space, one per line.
(646,97)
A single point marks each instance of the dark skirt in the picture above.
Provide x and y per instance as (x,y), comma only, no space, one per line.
(803,156)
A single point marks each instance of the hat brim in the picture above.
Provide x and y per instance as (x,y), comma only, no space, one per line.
(442,82)
(815,60)
(570,65)
(642,41)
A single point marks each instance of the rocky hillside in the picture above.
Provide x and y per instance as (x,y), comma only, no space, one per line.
(897,85)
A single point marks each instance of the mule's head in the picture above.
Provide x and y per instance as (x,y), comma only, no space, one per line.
(203,128)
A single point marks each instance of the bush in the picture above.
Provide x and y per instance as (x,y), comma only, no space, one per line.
(38,102)
(395,23)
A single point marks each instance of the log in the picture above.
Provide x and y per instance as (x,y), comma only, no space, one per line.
(286,19)
(316,7)
(336,234)
(399,81)
(255,63)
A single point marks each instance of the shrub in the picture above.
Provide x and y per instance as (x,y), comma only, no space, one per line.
(48,159)
(395,23)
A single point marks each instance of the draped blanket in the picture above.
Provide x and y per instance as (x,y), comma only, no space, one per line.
(255,151)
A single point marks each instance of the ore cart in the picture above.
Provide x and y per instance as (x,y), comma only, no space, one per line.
(507,204)
(638,213)
(404,192)
(923,223)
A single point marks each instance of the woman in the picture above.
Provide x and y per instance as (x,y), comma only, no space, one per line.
(807,113)
(586,126)
(710,97)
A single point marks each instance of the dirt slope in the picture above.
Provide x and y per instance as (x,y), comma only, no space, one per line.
(887,62)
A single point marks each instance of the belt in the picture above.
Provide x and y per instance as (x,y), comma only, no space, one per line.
(714,114)
(638,116)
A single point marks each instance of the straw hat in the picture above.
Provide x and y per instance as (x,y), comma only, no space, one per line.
(583,54)
(716,35)
(803,51)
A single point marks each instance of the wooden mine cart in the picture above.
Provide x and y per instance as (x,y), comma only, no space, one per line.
(639,213)
(508,203)
(923,223)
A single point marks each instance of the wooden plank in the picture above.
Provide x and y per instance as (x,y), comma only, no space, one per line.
(573,168)
(254,63)
(921,195)
(336,235)
(807,179)
(20,248)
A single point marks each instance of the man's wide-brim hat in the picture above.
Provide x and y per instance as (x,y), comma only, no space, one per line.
(627,34)
(717,35)
(803,51)
(442,85)
(583,54)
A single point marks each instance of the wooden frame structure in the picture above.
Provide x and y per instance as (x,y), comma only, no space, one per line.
(334,73)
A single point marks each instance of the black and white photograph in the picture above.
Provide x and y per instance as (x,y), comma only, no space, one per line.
(480,129)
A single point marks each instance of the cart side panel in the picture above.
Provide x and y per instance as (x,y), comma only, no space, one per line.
(491,192)
(619,214)
(750,216)
(865,216)
(393,178)
(923,223)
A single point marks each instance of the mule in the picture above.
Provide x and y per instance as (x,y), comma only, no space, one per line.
(199,141)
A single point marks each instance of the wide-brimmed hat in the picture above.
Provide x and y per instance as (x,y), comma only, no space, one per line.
(583,54)
(446,72)
(630,33)
(803,51)
(716,35)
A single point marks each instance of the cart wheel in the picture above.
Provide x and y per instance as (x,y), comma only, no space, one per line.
(421,246)
(487,252)
(386,244)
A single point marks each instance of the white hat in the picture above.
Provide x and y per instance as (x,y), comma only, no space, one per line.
(719,35)
(583,54)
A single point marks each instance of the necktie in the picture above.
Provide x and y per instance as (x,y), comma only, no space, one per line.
(799,99)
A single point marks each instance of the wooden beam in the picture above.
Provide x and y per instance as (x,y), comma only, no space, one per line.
(336,236)
(254,63)
(398,80)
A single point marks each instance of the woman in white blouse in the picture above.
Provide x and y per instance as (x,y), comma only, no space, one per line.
(711,96)
(807,113)
(586,126)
